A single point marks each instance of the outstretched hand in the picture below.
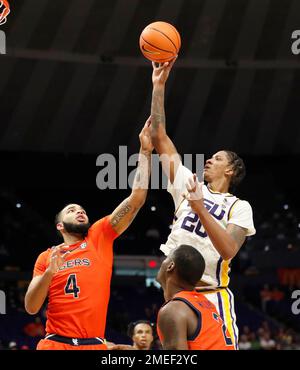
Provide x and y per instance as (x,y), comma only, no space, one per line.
(161,71)
(194,194)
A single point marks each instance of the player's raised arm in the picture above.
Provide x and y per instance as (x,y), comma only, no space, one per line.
(161,141)
(125,213)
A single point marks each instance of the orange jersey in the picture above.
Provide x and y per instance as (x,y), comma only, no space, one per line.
(79,292)
(211,333)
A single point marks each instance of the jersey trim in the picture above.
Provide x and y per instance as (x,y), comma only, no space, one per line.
(224,274)
(230,209)
(219,270)
(198,313)
(217,192)
(232,318)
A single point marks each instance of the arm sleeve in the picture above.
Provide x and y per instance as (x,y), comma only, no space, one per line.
(178,187)
(102,230)
(41,264)
(242,215)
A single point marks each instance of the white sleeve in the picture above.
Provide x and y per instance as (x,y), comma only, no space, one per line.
(178,187)
(242,215)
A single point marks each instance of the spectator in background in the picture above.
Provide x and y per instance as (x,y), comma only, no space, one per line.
(244,343)
(142,335)
(255,343)
(266,342)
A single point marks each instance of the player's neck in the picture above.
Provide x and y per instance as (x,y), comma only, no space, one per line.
(219,185)
(173,289)
(70,239)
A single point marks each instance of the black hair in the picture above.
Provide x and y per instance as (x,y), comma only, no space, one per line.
(189,263)
(133,324)
(239,169)
(57,218)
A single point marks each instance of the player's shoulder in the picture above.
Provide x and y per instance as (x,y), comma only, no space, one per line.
(99,224)
(47,251)
(44,256)
(242,204)
(175,309)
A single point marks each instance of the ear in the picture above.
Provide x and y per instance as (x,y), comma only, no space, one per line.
(229,171)
(171,266)
(59,226)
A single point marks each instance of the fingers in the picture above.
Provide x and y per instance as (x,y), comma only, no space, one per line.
(59,250)
(171,63)
(148,122)
(160,66)
(59,247)
(191,185)
(194,189)
(186,196)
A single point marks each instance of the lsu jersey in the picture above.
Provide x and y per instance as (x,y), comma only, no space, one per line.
(187,229)
(211,332)
(79,292)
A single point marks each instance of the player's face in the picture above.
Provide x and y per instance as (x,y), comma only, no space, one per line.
(216,166)
(74,214)
(142,336)
(74,220)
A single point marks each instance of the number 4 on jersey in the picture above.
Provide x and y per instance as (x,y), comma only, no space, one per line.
(71,286)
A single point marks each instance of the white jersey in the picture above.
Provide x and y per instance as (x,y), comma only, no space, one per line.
(187,228)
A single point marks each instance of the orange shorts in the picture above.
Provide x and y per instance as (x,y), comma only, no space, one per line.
(46,344)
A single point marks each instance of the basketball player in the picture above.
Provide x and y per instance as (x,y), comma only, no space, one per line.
(220,224)
(76,274)
(141,334)
(188,320)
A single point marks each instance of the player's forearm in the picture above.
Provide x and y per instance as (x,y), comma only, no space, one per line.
(141,180)
(37,293)
(158,117)
(222,241)
(125,213)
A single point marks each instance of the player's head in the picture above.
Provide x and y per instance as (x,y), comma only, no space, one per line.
(225,164)
(141,333)
(184,266)
(72,219)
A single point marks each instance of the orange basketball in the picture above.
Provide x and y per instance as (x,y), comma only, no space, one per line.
(160,42)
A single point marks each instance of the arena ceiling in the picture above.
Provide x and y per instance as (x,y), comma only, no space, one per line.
(74,81)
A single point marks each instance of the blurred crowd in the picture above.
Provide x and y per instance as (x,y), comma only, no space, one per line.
(266,339)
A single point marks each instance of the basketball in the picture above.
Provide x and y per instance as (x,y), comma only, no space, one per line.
(160,42)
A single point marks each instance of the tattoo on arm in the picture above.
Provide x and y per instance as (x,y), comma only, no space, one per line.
(120,214)
(142,175)
(157,109)
(238,234)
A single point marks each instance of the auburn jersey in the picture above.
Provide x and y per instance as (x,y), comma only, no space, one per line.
(79,292)
(211,332)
